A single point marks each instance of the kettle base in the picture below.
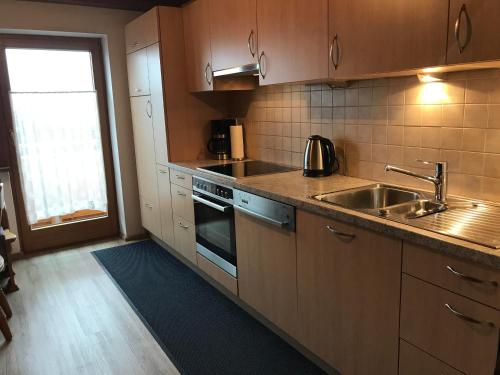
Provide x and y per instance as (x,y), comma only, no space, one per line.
(316,173)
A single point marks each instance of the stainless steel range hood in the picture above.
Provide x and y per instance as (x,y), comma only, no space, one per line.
(241,78)
(245,70)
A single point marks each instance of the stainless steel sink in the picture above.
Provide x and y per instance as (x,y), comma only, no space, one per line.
(471,221)
(373,197)
(414,209)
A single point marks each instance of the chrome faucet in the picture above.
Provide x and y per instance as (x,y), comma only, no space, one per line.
(440,178)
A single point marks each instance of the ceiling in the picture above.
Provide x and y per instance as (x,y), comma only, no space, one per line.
(139,5)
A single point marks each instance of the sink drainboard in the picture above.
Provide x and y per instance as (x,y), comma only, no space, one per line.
(476,222)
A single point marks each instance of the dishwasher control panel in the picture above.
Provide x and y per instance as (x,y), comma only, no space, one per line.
(267,210)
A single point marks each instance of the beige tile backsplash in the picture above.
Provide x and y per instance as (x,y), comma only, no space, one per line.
(394,120)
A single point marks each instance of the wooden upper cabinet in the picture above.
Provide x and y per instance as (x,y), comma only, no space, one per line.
(348,295)
(199,69)
(373,37)
(142,32)
(233,32)
(475,38)
(293,40)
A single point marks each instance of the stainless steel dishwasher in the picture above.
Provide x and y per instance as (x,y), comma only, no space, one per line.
(267,258)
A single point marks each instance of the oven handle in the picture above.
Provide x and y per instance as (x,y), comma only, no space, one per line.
(218,207)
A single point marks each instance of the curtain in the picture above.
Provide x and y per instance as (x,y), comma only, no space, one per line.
(59,152)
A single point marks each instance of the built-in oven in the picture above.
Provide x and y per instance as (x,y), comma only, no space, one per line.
(214,223)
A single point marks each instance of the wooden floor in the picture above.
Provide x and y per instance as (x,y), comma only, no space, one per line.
(69,318)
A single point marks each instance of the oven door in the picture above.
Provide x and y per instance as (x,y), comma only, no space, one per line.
(215,237)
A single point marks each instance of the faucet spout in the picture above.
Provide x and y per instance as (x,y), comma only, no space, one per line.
(440,178)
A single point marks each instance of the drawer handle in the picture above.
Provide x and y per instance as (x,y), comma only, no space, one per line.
(162,171)
(148,205)
(340,234)
(181,194)
(179,177)
(467,318)
(183,226)
(470,278)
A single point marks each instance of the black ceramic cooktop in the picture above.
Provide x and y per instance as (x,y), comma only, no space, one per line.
(247,168)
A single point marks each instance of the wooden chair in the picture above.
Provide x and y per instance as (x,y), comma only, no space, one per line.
(7,312)
(6,240)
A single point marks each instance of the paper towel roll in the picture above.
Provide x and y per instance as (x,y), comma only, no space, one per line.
(237,148)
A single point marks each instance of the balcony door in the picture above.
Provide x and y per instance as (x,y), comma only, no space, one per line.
(55,111)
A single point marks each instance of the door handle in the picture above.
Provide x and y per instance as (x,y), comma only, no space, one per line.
(216,206)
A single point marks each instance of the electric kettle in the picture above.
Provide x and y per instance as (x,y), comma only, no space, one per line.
(319,157)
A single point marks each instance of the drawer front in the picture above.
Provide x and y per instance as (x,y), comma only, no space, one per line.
(462,277)
(182,203)
(216,273)
(413,361)
(150,216)
(429,324)
(185,238)
(182,179)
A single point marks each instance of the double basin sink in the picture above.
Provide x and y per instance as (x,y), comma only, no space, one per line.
(471,221)
(385,201)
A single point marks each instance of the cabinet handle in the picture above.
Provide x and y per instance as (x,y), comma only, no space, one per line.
(138,90)
(209,81)
(133,44)
(467,318)
(149,108)
(181,193)
(340,234)
(262,61)
(458,24)
(335,43)
(470,278)
(251,43)
(183,226)
(180,177)
(162,171)
(148,205)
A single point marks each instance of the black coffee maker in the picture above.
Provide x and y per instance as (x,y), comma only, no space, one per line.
(220,140)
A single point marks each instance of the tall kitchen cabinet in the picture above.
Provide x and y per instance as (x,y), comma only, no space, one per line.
(373,37)
(293,40)
(145,78)
(349,284)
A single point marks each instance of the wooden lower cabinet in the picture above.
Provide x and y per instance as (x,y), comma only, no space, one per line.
(150,215)
(185,238)
(413,361)
(267,264)
(428,322)
(348,295)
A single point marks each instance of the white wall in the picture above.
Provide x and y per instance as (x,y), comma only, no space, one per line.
(109,25)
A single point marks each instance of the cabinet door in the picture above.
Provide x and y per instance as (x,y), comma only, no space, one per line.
(150,215)
(233,32)
(165,205)
(267,273)
(348,295)
(369,37)
(293,40)
(182,203)
(197,44)
(157,108)
(478,30)
(142,32)
(144,152)
(185,238)
(137,67)
(451,328)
